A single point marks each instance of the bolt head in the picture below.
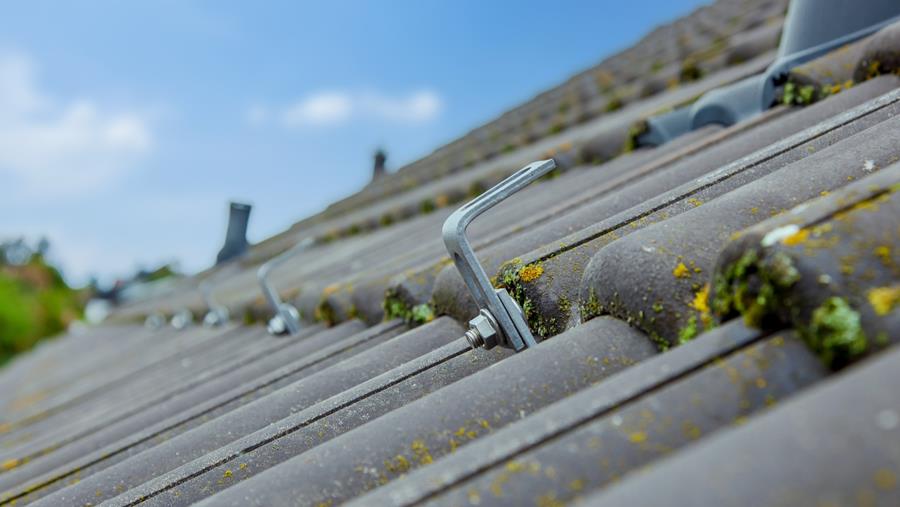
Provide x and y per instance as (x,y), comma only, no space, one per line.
(483,325)
(276,326)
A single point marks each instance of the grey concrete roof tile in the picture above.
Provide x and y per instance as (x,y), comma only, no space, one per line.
(236,416)
(315,425)
(438,424)
(248,418)
(836,444)
(118,440)
(564,416)
(829,267)
(100,398)
(639,432)
(564,258)
(659,277)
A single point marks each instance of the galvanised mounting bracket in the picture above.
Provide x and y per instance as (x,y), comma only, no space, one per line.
(500,320)
(286,319)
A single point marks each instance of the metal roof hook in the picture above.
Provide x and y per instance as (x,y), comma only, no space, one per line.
(286,319)
(217,315)
(500,320)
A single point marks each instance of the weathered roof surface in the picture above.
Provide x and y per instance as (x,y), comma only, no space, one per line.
(716,316)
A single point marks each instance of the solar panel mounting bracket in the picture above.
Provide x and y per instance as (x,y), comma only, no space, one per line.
(500,320)
(286,319)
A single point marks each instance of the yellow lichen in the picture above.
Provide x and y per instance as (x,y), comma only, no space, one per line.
(420,450)
(9,464)
(681,271)
(398,465)
(884,299)
(885,479)
(797,238)
(883,252)
(637,437)
(227,474)
(701,300)
(531,272)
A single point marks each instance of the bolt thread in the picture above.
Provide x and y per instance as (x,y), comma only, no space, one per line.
(474,338)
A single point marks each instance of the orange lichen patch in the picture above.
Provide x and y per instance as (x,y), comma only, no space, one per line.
(9,464)
(797,238)
(531,272)
(5,427)
(441,201)
(681,271)
(331,289)
(884,299)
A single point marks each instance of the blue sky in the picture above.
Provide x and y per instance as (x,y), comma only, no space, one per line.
(125,127)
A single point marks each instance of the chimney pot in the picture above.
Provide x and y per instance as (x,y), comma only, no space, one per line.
(236,235)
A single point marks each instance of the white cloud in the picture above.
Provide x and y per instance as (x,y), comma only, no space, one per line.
(52,149)
(418,107)
(330,108)
(326,108)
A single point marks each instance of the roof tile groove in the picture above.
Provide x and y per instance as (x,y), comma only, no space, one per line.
(257,414)
(638,279)
(766,250)
(431,427)
(835,444)
(828,267)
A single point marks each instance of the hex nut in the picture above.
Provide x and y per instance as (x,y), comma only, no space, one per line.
(483,324)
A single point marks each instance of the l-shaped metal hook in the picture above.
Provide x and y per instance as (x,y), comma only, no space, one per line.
(286,318)
(500,320)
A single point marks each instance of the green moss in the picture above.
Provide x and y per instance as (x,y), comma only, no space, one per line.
(509,278)
(396,308)
(690,72)
(689,331)
(614,104)
(325,313)
(835,333)
(556,128)
(475,189)
(509,148)
(800,95)
(634,132)
(427,206)
(590,308)
(565,306)
(754,287)
(386,220)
